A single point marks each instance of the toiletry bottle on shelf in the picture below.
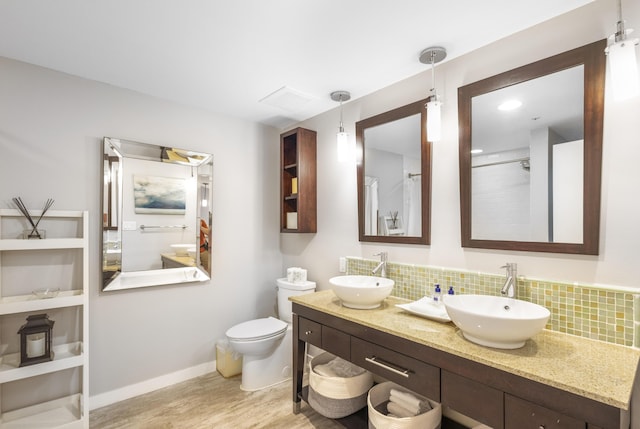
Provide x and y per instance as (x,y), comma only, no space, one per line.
(437,294)
(451,292)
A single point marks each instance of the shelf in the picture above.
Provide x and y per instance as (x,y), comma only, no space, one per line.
(24,303)
(44,244)
(65,356)
(68,233)
(60,413)
(298,161)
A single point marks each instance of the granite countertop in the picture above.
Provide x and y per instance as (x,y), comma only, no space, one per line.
(597,370)
(187,261)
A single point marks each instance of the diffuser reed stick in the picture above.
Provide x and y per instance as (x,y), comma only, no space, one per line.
(25,212)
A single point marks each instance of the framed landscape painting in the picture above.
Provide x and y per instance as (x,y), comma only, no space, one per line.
(159,195)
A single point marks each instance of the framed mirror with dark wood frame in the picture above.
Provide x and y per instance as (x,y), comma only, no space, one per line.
(530,172)
(394,176)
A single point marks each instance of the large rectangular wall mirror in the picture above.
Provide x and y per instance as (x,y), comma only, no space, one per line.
(156,215)
(394,176)
(531,155)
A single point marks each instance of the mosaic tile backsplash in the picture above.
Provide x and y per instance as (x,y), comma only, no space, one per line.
(582,310)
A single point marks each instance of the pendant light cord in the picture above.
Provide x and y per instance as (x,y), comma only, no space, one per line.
(341,124)
(621,33)
(433,77)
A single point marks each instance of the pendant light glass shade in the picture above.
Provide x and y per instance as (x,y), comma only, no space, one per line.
(205,196)
(346,149)
(623,66)
(434,120)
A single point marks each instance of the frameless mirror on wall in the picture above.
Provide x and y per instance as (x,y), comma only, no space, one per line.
(530,155)
(156,215)
(394,172)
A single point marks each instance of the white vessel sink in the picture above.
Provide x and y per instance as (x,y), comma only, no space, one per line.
(496,321)
(183,249)
(362,292)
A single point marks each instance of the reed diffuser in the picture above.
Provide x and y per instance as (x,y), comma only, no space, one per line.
(32,233)
(394,219)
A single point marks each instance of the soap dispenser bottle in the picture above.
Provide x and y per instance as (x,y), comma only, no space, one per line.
(437,294)
(451,291)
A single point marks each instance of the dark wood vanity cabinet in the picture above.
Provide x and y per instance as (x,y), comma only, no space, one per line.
(496,398)
(298,195)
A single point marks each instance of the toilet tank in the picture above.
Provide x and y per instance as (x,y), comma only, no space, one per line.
(287,289)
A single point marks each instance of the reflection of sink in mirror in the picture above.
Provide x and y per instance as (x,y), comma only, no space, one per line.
(361,292)
(183,249)
(496,321)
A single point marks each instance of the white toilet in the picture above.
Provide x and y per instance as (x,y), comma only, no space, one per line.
(265,344)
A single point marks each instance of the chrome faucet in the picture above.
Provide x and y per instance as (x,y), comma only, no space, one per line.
(511,284)
(382,266)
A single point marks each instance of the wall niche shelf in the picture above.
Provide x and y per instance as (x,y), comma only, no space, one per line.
(298,195)
(60,261)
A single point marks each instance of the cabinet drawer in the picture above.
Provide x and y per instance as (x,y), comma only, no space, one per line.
(521,414)
(336,342)
(476,400)
(411,373)
(309,331)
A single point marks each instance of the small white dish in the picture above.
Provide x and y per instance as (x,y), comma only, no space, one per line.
(46,293)
(425,307)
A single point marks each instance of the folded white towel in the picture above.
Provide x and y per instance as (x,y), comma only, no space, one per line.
(344,368)
(409,402)
(338,367)
(324,370)
(398,410)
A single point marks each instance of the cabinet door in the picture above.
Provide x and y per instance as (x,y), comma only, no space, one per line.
(521,414)
(411,373)
(476,400)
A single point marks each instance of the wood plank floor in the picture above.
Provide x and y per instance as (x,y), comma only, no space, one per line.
(209,401)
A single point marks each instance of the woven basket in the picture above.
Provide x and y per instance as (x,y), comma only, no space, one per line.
(379,396)
(337,397)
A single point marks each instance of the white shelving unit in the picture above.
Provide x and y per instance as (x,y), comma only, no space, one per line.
(69,410)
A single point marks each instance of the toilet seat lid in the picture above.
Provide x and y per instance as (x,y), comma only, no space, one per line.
(257,329)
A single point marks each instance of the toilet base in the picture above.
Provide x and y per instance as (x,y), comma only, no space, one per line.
(260,372)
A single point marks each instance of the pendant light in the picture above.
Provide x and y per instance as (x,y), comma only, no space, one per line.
(622,61)
(342,138)
(205,195)
(433,56)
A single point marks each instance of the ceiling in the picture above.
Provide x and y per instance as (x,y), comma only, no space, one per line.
(227,56)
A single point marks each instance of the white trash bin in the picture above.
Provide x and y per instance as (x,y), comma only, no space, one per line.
(377,406)
(228,362)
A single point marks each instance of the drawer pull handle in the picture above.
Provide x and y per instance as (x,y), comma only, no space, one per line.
(308,332)
(386,365)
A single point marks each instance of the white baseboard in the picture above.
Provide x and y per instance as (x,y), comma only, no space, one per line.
(103,399)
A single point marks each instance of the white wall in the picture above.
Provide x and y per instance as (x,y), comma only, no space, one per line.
(51,129)
(337,234)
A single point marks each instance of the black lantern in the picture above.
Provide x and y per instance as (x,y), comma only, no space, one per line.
(35,340)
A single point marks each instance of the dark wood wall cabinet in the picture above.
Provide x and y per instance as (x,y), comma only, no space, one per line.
(298,195)
(499,399)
